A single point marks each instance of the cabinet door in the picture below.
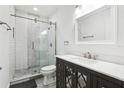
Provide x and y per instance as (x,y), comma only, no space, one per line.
(60,74)
(102,83)
(70,75)
(122,84)
(76,76)
(83,78)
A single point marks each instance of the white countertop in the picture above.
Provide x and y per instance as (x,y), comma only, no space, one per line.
(110,69)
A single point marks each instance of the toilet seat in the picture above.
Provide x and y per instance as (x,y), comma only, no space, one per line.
(49,74)
(48,68)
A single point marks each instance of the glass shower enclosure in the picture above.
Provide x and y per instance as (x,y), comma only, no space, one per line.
(41,45)
(40,42)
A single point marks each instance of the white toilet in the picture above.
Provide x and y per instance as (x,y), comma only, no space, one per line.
(49,74)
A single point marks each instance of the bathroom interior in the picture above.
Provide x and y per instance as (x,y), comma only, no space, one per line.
(61,46)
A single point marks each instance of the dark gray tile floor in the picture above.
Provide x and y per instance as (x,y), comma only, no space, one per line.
(26,84)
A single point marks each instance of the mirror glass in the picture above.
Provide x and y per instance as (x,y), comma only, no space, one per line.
(96,26)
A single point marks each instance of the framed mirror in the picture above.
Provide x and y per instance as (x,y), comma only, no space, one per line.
(97,27)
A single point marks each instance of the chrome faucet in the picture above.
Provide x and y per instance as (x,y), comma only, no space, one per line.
(94,57)
(89,55)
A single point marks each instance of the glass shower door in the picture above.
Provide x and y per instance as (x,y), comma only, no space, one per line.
(41,45)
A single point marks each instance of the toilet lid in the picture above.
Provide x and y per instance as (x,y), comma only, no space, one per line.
(50,67)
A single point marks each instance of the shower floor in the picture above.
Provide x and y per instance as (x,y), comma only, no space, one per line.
(26,73)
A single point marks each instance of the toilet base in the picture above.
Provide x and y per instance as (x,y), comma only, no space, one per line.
(49,79)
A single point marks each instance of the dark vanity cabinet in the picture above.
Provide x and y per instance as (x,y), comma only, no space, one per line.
(70,75)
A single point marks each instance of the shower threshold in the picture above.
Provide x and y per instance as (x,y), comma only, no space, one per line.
(26,74)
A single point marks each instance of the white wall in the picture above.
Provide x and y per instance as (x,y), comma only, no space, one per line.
(65,26)
(65,32)
(4,48)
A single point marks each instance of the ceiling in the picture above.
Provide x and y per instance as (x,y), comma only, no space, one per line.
(43,10)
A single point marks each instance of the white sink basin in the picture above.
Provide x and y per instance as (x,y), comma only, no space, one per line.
(84,60)
(79,59)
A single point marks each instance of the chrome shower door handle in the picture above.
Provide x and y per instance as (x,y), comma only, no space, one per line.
(0,68)
(51,44)
(32,45)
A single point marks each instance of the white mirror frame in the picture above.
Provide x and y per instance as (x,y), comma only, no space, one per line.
(114,15)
